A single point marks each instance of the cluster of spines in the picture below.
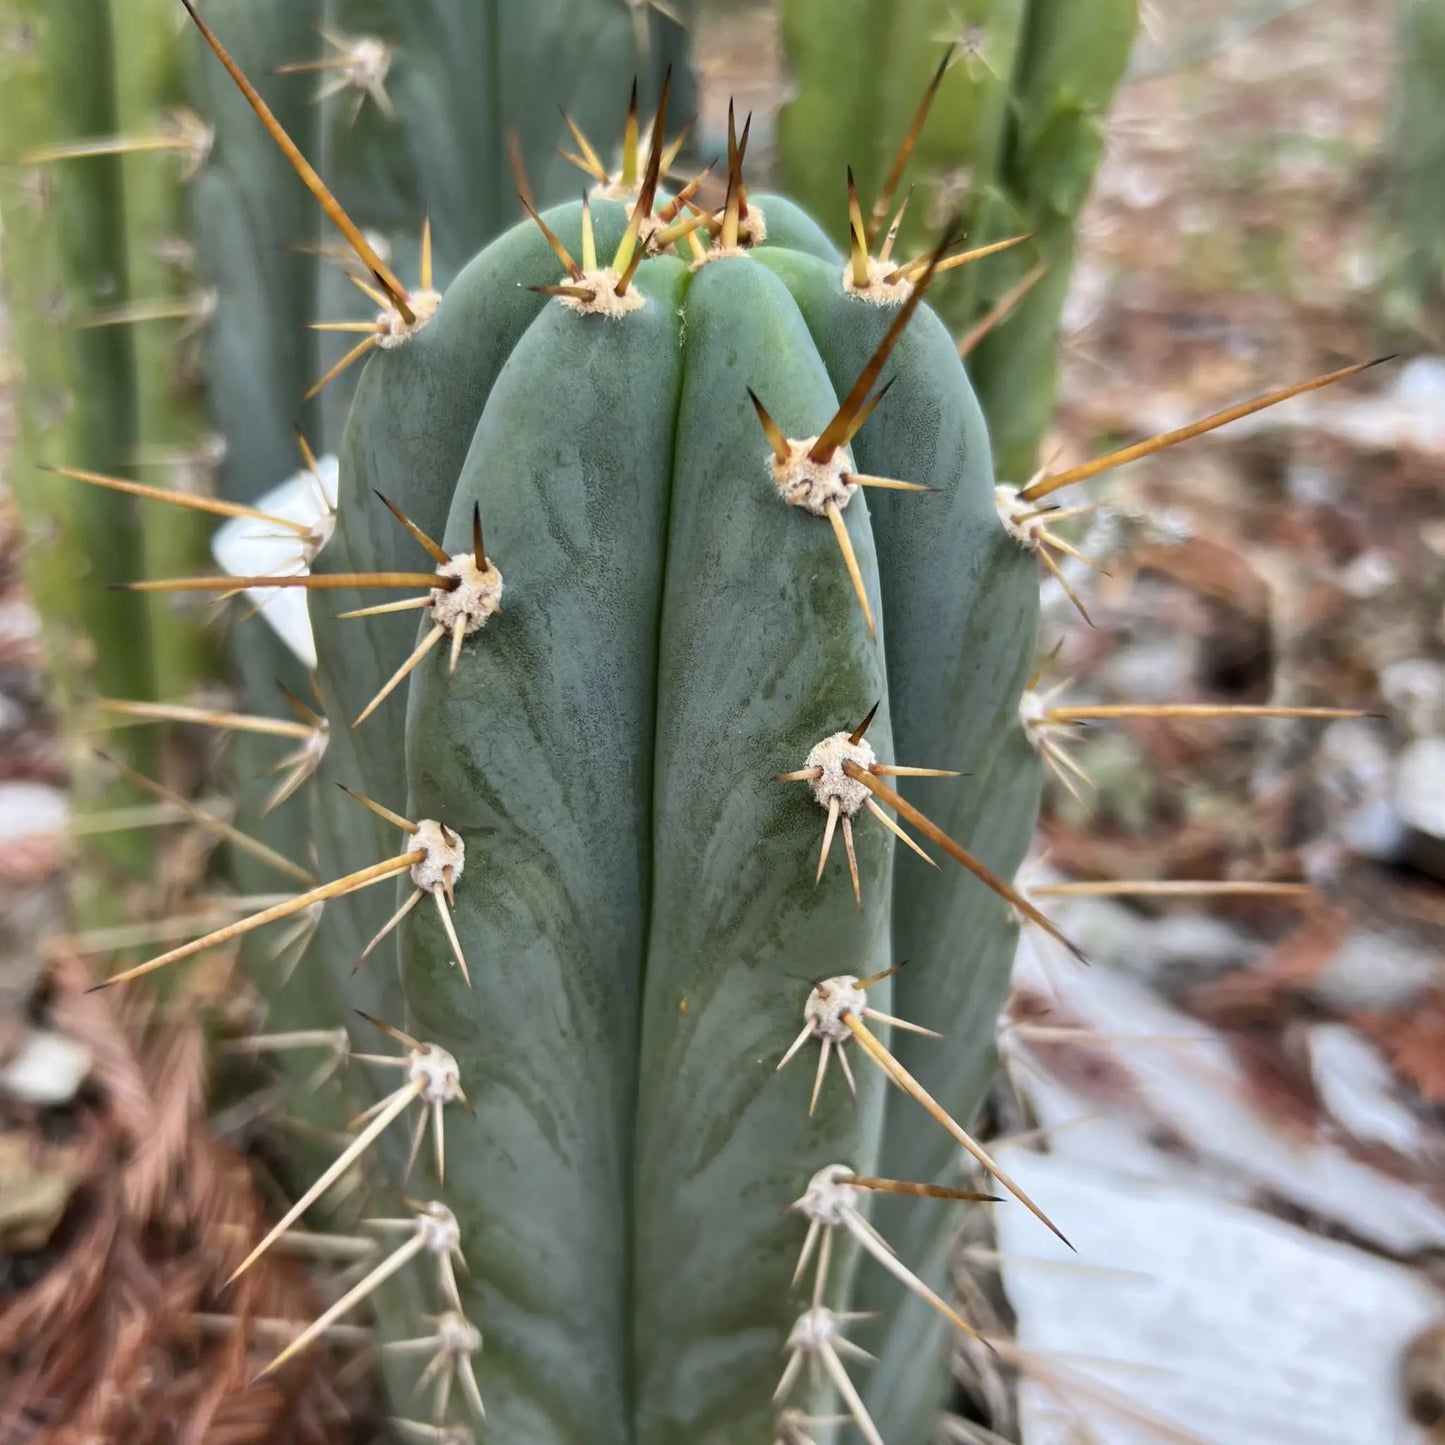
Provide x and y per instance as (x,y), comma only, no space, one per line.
(464,592)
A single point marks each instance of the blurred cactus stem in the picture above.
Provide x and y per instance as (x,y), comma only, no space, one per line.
(1010,144)
(81,389)
(1414,280)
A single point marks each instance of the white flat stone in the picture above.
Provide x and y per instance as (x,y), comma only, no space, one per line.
(1235,1327)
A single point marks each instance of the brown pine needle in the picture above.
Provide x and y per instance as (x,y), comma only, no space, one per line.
(1001,309)
(211,823)
(959,854)
(213,505)
(309,177)
(1090,713)
(1173,888)
(850,561)
(833,434)
(951,263)
(921,1191)
(418,652)
(905,148)
(314,581)
(204,717)
(1045,486)
(910,1086)
(363,878)
(351,357)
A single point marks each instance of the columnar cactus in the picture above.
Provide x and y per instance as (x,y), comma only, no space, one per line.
(659,585)
(652,860)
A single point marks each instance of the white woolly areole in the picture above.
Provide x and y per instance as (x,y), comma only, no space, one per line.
(717,253)
(1033,714)
(438,1227)
(437,1072)
(752,228)
(477,595)
(1012,510)
(829,1198)
(816,487)
(457,1335)
(879,291)
(366,62)
(813,1329)
(445,855)
(392,329)
(616,190)
(829,1002)
(830,755)
(605,301)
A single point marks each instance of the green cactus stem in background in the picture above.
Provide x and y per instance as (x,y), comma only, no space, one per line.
(1414,271)
(1011,142)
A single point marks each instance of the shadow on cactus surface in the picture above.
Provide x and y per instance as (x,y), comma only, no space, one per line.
(664,545)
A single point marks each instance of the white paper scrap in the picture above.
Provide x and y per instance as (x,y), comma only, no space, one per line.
(243,547)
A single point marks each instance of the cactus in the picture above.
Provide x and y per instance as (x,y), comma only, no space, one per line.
(1011,140)
(1414,254)
(669,593)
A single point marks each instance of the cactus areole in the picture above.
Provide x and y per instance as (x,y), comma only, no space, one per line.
(677,480)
